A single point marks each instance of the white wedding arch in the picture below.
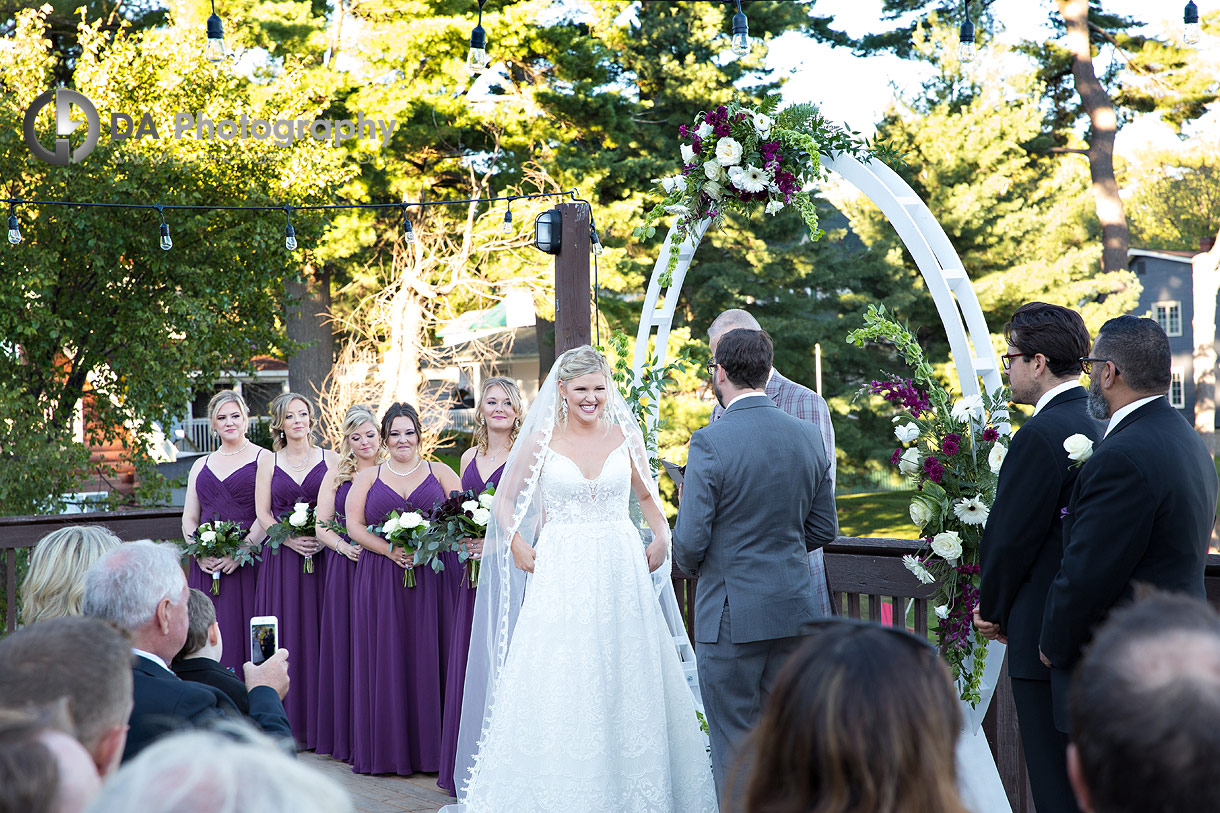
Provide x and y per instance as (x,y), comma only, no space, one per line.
(969,342)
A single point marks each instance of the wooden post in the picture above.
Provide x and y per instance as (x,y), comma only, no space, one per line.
(573,314)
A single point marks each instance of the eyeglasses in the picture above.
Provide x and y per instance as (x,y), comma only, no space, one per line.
(1007,358)
(711,366)
(1087,365)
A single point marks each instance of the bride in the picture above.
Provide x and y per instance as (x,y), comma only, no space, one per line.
(575,696)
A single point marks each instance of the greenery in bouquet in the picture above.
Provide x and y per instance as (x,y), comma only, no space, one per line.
(464,516)
(951,451)
(300,521)
(221,538)
(643,395)
(412,532)
(739,159)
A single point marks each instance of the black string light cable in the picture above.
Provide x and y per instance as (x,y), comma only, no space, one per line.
(289,234)
(596,243)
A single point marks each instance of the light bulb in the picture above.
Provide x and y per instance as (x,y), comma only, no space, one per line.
(14,230)
(597,243)
(215,48)
(1191,33)
(965,45)
(408,232)
(166,242)
(290,238)
(507,228)
(741,33)
(476,59)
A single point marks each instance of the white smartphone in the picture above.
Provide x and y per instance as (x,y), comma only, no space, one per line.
(264,637)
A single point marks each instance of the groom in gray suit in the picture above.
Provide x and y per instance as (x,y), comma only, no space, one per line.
(757,497)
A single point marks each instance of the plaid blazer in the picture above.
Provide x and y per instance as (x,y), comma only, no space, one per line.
(801,402)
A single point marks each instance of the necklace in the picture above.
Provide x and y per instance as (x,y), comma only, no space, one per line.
(239,451)
(492,457)
(390,466)
(308,455)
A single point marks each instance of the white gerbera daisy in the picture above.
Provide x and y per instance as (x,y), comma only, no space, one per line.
(915,566)
(971,511)
(751,179)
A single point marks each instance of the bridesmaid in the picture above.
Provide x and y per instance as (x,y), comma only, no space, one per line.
(499,419)
(359,449)
(221,487)
(396,722)
(293,474)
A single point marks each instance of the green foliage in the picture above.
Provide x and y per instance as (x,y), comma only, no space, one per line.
(1175,198)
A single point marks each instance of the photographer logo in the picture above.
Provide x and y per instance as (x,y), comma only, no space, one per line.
(63,100)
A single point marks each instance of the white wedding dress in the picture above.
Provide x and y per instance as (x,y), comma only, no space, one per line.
(592,711)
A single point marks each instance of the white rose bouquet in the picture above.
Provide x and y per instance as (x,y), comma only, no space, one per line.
(412,532)
(464,516)
(300,521)
(220,538)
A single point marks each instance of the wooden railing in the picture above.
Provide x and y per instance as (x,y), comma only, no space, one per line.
(867,580)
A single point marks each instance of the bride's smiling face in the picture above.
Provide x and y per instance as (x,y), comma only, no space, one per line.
(586,397)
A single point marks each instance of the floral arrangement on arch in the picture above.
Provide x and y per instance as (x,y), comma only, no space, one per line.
(655,380)
(951,452)
(740,159)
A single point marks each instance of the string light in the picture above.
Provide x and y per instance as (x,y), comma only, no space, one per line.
(741,33)
(290,235)
(476,58)
(507,228)
(1191,33)
(593,238)
(965,40)
(166,242)
(14,229)
(215,49)
(408,232)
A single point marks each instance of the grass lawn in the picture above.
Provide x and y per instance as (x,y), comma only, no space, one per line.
(879,514)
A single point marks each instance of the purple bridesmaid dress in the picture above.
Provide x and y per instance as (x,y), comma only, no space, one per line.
(334,731)
(455,627)
(231,500)
(295,598)
(396,713)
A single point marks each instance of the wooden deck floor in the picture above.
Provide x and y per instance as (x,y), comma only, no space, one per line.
(382,794)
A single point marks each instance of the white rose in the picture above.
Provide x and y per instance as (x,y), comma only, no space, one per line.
(714,190)
(481,516)
(728,151)
(762,123)
(411,519)
(300,507)
(995,458)
(299,519)
(947,545)
(774,206)
(909,463)
(470,505)
(920,514)
(969,407)
(485,500)
(713,171)
(906,433)
(391,526)
(207,537)
(703,130)
(688,154)
(941,610)
(1079,448)
(673,183)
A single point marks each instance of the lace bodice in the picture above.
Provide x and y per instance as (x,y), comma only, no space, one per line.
(569,497)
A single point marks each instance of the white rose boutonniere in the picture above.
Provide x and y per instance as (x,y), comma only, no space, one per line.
(1079,449)
(947,545)
(995,458)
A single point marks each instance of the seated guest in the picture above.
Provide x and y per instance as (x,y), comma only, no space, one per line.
(140,588)
(235,770)
(52,587)
(1145,710)
(42,768)
(199,659)
(839,731)
(83,661)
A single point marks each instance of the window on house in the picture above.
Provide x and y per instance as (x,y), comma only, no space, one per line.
(1169,316)
(259,395)
(1177,391)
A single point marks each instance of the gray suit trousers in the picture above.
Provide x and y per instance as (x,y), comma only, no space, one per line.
(735,680)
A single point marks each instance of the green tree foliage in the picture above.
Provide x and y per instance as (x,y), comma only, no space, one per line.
(1175,197)
(88,302)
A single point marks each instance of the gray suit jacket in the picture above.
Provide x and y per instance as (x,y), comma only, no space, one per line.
(757,497)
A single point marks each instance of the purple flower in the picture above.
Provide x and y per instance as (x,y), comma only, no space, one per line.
(896,456)
(991,434)
(722,129)
(904,393)
(683,131)
(951,444)
(697,144)
(1063,512)
(933,469)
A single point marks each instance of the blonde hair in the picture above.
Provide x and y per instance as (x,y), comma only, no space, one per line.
(579,361)
(220,399)
(357,416)
(279,410)
(514,399)
(55,584)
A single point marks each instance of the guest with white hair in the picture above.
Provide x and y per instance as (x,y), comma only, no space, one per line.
(140,588)
(231,770)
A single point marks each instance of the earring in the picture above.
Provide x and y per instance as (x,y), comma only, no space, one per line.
(563,408)
(482,420)
(516,423)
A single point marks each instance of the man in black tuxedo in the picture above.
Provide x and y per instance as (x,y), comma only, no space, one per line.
(140,588)
(1023,541)
(1143,506)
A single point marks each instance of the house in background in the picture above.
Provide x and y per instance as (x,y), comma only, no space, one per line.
(192,435)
